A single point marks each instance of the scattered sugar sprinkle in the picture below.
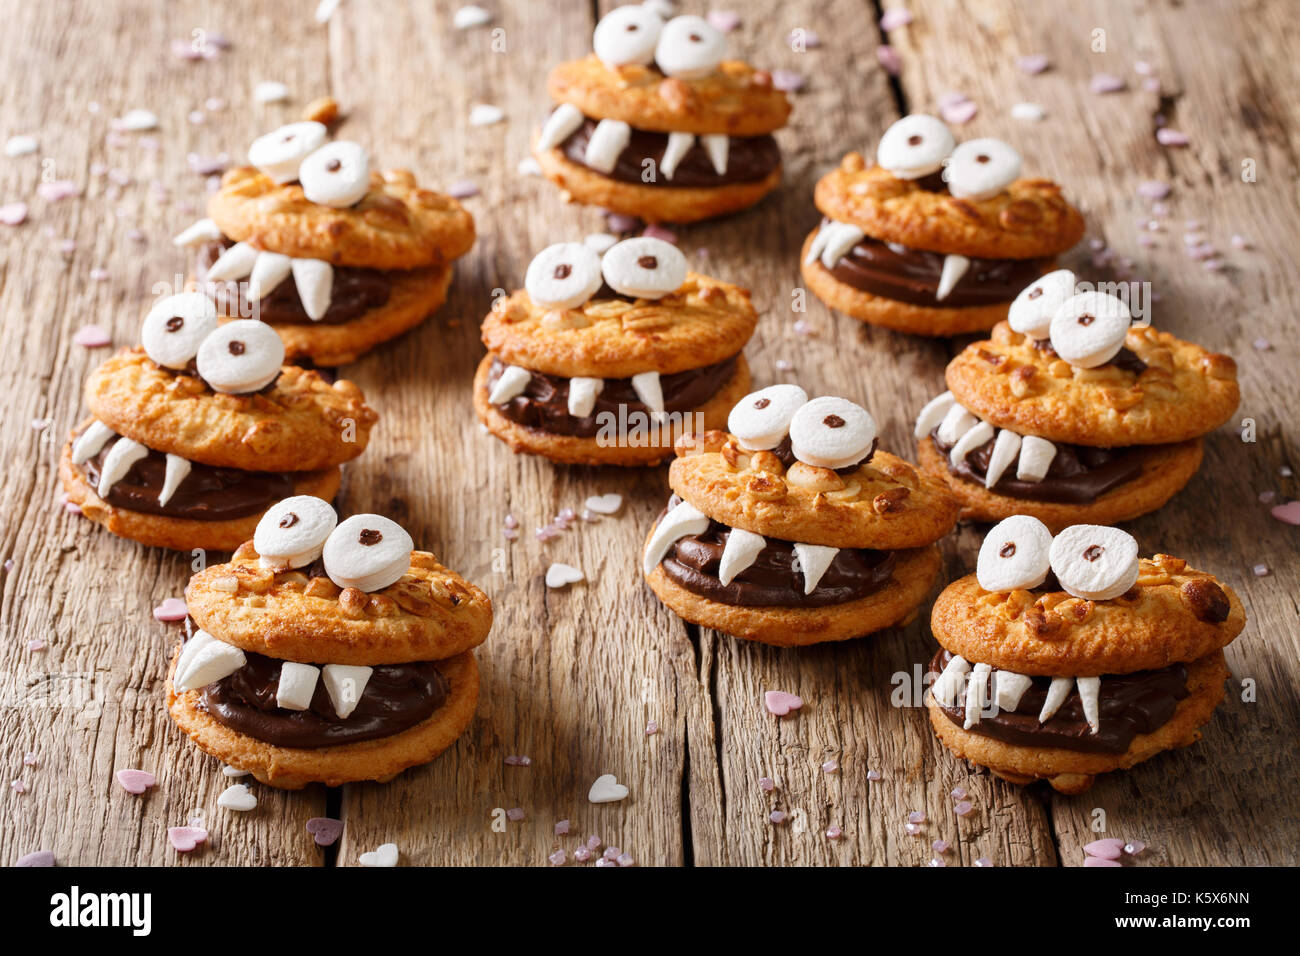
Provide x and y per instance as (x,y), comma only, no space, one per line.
(964,808)
(652,728)
(468,17)
(515,814)
(873,775)
(766,784)
(830,766)
(582,854)
(29,759)
(777,817)
(483,114)
(834,833)
(939,846)
(958,793)
(562,828)
(557,858)
(916,816)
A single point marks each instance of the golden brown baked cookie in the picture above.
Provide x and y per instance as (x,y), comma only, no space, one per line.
(299,423)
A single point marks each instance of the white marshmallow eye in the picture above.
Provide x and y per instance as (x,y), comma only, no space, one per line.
(337,174)
(982,168)
(627,35)
(831,433)
(279,153)
(1031,312)
(241,356)
(293,532)
(690,48)
(368,552)
(563,276)
(1095,562)
(1089,329)
(644,268)
(762,419)
(915,146)
(1016,553)
(176,326)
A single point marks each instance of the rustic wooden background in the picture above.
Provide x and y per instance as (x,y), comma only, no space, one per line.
(571,678)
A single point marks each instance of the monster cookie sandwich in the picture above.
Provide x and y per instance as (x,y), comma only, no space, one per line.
(794,529)
(936,238)
(336,256)
(197,432)
(1062,658)
(327,652)
(657,123)
(604,361)
(1072,414)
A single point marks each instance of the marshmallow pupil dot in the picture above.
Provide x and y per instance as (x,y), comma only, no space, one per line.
(1007,550)
(236,347)
(174,324)
(369,537)
(289,520)
(1093,552)
(833,421)
(762,403)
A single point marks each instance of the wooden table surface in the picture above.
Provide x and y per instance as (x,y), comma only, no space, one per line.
(571,678)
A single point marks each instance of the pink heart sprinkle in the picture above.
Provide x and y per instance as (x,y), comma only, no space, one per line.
(780,702)
(1106,83)
(1107,849)
(136,781)
(1171,137)
(91,337)
(889,59)
(1289,512)
(723,20)
(787,81)
(1097,861)
(894,18)
(462,189)
(59,189)
(325,830)
(185,839)
(1153,189)
(958,112)
(1032,64)
(13,214)
(171,609)
(654,231)
(39,858)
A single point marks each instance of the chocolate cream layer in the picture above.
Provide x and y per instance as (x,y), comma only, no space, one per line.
(1128,705)
(749,159)
(396,696)
(353,293)
(774,579)
(544,404)
(206,494)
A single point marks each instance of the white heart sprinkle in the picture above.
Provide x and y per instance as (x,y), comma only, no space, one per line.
(270,91)
(237,797)
(1029,112)
(470,16)
(385,855)
(605,504)
(607,789)
(20,146)
(481,114)
(234,772)
(558,575)
(137,120)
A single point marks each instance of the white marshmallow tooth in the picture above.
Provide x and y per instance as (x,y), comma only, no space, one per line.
(296,685)
(977,695)
(717,145)
(511,384)
(345,684)
(314,280)
(1095,562)
(269,270)
(1089,694)
(607,142)
(204,230)
(1056,694)
(950,680)
(681,521)
(189,650)
(818,244)
(235,263)
(582,395)
(211,661)
(844,236)
(650,391)
(740,552)
(972,439)
(932,414)
(124,453)
(813,559)
(1008,688)
(954,267)
(1005,449)
(560,125)
(91,442)
(679,144)
(1036,456)
(178,469)
(956,422)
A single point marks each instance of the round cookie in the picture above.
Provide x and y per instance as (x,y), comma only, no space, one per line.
(1184,392)
(1030,219)
(1173,613)
(703,322)
(885,504)
(429,614)
(291,768)
(913,578)
(396,225)
(298,423)
(1072,772)
(1165,470)
(577,450)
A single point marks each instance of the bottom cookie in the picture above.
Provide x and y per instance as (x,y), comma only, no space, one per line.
(1071,771)
(291,768)
(914,577)
(1165,470)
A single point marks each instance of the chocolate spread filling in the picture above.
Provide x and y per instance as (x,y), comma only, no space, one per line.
(1078,475)
(544,403)
(354,292)
(773,580)
(207,493)
(1127,705)
(1125,358)
(749,159)
(396,697)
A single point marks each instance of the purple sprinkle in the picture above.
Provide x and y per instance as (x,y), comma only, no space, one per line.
(830,766)
(38,858)
(652,728)
(1106,83)
(1267,497)
(801,327)
(29,758)
(1143,68)
(593,842)
(1263,345)
(511,522)
(766,784)
(916,816)
(912,829)
(1106,849)
(894,18)
(788,81)
(515,814)
(777,817)
(604,862)
(619,223)
(1240,242)
(834,833)
(557,858)
(612,852)
(1095,861)
(1261,570)
(1171,137)
(984,861)
(937,862)
(625,859)
(18,787)
(939,846)
(57,190)
(655,231)
(562,828)
(1032,64)
(91,337)
(724,21)
(1154,189)
(956,109)
(462,189)
(873,775)
(958,793)
(889,59)
(582,854)
(964,808)
(515,760)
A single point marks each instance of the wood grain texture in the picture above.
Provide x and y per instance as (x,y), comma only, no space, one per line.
(572,677)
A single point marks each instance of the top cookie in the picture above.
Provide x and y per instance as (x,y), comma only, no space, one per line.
(394,225)
(1184,391)
(297,423)
(1172,614)
(1029,219)
(430,613)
